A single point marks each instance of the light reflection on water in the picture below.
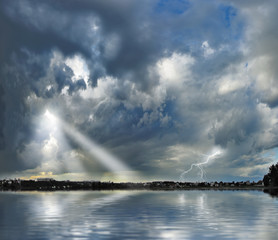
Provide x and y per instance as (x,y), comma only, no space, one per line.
(138,215)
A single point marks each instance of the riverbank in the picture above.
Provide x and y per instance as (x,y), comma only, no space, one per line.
(53,185)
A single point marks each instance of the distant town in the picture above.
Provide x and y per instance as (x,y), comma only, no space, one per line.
(50,184)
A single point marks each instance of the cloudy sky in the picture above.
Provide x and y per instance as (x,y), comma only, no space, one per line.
(158,84)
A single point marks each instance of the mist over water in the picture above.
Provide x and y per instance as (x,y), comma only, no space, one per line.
(138,215)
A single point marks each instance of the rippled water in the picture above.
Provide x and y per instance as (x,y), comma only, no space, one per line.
(138,215)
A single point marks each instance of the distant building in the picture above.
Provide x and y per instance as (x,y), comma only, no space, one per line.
(45,179)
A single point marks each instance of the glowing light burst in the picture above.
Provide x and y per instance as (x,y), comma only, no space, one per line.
(100,154)
(200,165)
(51,122)
(50,116)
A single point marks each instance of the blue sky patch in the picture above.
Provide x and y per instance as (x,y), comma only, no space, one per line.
(172,6)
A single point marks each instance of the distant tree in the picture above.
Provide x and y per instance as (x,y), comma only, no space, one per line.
(266,180)
(271,179)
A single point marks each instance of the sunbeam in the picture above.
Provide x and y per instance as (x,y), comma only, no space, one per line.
(110,162)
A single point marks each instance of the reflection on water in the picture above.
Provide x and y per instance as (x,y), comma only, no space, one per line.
(138,215)
(272,192)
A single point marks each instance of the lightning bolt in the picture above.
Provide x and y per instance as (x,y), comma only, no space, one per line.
(200,165)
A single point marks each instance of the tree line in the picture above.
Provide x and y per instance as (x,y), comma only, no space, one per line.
(271,178)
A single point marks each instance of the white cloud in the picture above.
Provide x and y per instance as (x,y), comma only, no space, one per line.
(207,49)
(236,78)
(175,70)
(50,147)
(103,90)
(79,68)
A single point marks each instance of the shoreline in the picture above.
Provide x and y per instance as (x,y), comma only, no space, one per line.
(138,189)
(53,185)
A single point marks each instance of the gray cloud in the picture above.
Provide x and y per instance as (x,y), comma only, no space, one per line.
(156,84)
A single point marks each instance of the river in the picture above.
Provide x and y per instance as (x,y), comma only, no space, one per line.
(138,215)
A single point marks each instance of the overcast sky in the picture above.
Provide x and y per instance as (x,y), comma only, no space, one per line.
(160,84)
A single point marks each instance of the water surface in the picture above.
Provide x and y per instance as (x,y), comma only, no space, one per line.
(138,215)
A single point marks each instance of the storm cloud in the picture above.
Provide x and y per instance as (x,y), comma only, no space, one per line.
(159,84)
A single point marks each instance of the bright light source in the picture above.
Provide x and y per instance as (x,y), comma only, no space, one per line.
(50,116)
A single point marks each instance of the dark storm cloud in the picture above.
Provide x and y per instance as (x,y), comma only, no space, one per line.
(138,27)
(18,34)
(151,81)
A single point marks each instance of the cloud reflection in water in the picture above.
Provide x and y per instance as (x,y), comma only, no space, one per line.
(139,215)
